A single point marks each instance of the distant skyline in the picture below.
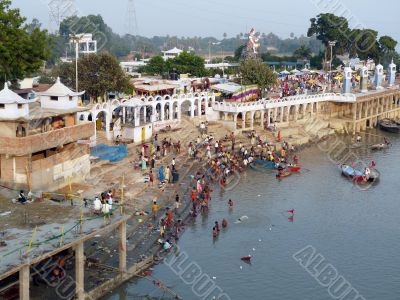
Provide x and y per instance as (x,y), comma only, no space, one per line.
(215,17)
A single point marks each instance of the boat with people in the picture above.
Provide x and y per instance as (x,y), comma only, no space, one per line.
(369,174)
(389,125)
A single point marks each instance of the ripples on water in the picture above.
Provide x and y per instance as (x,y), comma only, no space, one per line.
(355,230)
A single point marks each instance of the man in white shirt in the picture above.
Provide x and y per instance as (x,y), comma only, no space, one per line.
(97,206)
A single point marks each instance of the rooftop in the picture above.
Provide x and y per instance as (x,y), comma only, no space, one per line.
(60,90)
(7,96)
(36,112)
(173,51)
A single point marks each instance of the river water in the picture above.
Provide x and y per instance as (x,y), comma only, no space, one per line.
(355,230)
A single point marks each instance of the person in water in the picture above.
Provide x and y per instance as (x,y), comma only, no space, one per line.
(230,203)
(217,226)
(215,232)
(224,223)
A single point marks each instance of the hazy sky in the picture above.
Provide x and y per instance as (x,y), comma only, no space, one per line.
(214,17)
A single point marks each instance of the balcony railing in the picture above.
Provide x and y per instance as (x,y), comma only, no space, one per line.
(19,146)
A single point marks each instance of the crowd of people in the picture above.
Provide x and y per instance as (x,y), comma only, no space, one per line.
(310,83)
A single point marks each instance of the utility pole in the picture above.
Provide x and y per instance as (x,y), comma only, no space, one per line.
(75,39)
(331,44)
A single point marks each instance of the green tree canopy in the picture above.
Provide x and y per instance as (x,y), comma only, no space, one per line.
(388,44)
(328,27)
(23,47)
(303,52)
(188,62)
(97,74)
(254,71)
(156,65)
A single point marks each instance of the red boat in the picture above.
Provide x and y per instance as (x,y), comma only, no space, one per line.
(294,168)
(246,258)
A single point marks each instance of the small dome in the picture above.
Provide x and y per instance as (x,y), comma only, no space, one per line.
(7,96)
(60,90)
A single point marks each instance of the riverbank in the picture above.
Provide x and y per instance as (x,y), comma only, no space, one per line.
(140,240)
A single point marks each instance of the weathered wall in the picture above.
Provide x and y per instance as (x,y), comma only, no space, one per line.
(8,129)
(56,171)
(31,144)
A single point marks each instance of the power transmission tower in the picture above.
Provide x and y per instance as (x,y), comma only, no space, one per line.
(131,21)
(60,10)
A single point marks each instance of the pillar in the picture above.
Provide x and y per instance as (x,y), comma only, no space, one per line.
(24,278)
(162,112)
(252,120)
(108,131)
(235,121)
(136,114)
(199,107)
(145,114)
(391,74)
(243,120)
(79,271)
(281,115)
(171,111)
(364,79)
(178,108)
(123,115)
(275,113)
(347,80)
(225,116)
(378,77)
(262,119)
(296,112)
(269,118)
(316,107)
(122,247)
(192,110)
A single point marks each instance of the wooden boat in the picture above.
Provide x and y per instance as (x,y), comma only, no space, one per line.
(389,125)
(358,175)
(246,258)
(284,174)
(380,146)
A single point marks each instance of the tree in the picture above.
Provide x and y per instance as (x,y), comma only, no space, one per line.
(387,44)
(190,63)
(363,43)
(156,65)
(254,71)
(303,52)
(23,48)
(98,74)
(239,51)
(225,35)
(328,27)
